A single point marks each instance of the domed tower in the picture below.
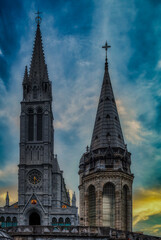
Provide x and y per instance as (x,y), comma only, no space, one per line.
(105,177)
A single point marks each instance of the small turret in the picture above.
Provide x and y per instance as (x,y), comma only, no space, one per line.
(25,83)
(25,78)
(68,196)
(7,200)
(74,200)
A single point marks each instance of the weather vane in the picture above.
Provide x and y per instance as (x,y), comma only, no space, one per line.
(106,48)
(38,19)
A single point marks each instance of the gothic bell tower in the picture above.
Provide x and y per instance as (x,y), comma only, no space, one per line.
(36,141)
(105,177)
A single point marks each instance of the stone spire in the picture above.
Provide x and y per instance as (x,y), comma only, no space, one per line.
(107,129)
(25,78)
(74,200)
(38,68)
(7,200)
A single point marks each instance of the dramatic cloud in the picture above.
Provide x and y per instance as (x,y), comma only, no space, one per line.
(147,204)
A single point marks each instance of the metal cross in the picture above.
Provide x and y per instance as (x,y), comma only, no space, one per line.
(106,48)
(38,19)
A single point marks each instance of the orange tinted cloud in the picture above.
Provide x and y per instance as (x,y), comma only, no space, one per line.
(13,194)
(147,202)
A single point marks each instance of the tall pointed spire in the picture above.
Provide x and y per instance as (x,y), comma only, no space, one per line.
(107,129)
(38,67)
(74,200)
(7,200)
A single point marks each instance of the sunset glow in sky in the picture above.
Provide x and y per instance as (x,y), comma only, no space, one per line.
(73,33)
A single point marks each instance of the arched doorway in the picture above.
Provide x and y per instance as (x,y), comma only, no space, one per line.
(34,219)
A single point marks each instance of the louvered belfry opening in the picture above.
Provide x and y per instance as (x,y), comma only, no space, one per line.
(109,205)
(34,92)
(30,124)
(39,124)
(91,206)
(125,208)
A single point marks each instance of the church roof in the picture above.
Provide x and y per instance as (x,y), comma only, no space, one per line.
(4,235)
(107,128)
(38,67)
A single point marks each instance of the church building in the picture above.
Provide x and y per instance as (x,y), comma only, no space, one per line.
(42,195)
(105,187)
(106,180)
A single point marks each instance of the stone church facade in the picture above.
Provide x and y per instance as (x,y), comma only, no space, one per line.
(105,187)
(42,195)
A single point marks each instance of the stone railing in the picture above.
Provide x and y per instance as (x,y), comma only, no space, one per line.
(62,232)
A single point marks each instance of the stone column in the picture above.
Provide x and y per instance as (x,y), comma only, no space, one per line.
(86,209)
(118,205)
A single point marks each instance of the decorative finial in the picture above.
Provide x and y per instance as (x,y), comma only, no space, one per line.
(106,48)
(38,19)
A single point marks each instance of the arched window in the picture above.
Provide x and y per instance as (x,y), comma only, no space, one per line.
(67,222)
(61,222)
(39,124)
(14,222)
(54,222)
(91,206)
(109,205)
(34,92)
(125,208)
(8,222)
(30,124)
(2,220)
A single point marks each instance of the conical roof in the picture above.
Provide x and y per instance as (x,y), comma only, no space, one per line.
(38,68)
(107,129)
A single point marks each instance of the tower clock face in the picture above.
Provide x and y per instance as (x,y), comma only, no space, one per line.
(34,177)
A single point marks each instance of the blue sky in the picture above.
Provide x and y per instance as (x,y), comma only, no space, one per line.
(73,33)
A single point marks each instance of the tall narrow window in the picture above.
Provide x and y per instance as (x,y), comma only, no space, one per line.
(14,222)
(54,222)
(8,222)
(67,222)
(34,92)
(3,223)
(39,124)
(91,206)
(30,124)
(61,222)
(125,208)
(109,205)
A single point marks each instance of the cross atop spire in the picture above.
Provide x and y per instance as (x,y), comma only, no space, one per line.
(38,19)
(106,48)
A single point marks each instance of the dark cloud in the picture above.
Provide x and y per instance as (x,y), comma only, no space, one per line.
(70,17)
(11,13)
(144,35)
